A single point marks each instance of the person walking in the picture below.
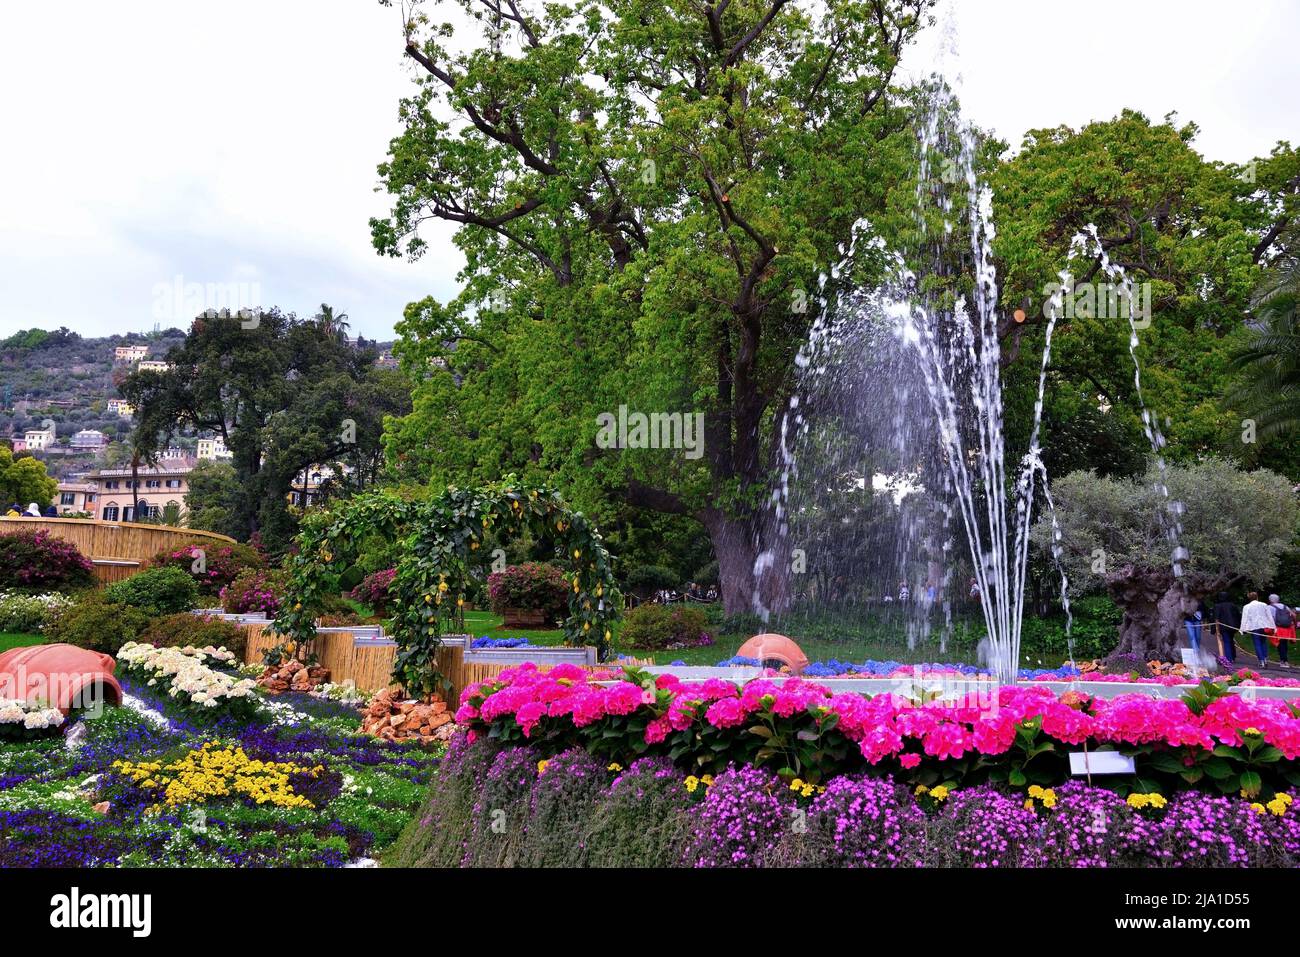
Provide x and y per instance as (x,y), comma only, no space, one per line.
(1227,622)
(1193,618)
(1257,619)
(1284,629)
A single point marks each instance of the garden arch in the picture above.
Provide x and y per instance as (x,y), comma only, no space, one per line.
(442,542)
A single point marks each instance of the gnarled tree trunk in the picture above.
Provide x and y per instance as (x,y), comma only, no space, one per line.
(753,564)
(1154,602)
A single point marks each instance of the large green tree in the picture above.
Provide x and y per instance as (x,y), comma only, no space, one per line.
(645,193)
(1199,232)
(284,394)
(23,480)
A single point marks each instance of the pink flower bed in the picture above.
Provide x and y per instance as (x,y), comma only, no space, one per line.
(679,717)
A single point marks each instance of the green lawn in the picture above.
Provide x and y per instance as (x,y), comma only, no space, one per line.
(13,639)
(480,623)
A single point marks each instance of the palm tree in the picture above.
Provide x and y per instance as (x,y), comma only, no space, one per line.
(333,324)
(1270,362)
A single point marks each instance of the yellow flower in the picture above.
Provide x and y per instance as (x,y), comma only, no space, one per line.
(1029,804)
(1035,791)
(1277,807)
(921,789)
(614,766)
(541,766)
(1283,797)
(692,783)
(940,793)
(1257,808)
(807,790)
(706,780)
(1253,732)
(796,784)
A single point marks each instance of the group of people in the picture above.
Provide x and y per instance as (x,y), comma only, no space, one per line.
(33,511)
(1270,622)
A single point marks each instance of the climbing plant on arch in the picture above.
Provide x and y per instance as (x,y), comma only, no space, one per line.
(442,544)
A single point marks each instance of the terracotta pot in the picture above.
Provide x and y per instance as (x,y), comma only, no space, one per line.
(771,648)
(58,675)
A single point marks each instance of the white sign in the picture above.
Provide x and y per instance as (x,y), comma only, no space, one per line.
(1100,762)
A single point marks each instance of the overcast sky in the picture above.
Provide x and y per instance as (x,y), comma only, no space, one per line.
(149,143)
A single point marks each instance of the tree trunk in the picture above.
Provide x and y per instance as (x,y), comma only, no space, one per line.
(1154,602)
(753,564)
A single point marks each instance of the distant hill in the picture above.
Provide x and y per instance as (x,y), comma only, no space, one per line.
(69,379)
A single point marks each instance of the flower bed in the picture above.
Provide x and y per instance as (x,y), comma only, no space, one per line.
(187,676)
(516,806)
(20,719)
(31,613)
(294,785)
(1016,736)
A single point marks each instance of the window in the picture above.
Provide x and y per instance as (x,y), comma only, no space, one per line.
(111,484)
(68,498)
(173,483)
(110,513)
(152,483)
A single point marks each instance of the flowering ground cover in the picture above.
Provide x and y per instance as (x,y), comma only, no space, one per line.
(499,806)
(163,782)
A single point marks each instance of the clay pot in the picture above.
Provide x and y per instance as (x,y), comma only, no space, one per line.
(62,675)
(769,648)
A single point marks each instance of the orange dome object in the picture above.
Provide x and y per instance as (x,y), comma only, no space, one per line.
(59,676)
(778,648)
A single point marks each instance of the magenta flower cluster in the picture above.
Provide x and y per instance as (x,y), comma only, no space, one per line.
(884,726)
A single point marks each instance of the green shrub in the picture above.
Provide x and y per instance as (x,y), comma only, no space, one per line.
(99,624)
(158,591)
(182,630)
(707,575)
(648,579)
(665,626)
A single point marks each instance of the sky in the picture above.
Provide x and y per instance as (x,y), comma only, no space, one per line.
(152,152)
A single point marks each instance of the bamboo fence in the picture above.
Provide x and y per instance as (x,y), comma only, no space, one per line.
(369,664)
(117,549)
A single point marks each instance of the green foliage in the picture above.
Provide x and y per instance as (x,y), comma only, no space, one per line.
(645,195)
(288,394)
(442,552)
(157,591)
(183,630)
(214,499)
(645,580)
(1187,226)
(1235,524)
(653,626)
(23,480)
(100,625)
(31,613)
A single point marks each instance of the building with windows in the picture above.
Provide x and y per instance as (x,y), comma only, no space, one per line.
(152,365)
(160,488)
(213,449)
(75,497)
(121,407)
(36,440)
(130,353)
(88,440)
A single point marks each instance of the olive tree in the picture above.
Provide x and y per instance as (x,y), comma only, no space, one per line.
(1156,553)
